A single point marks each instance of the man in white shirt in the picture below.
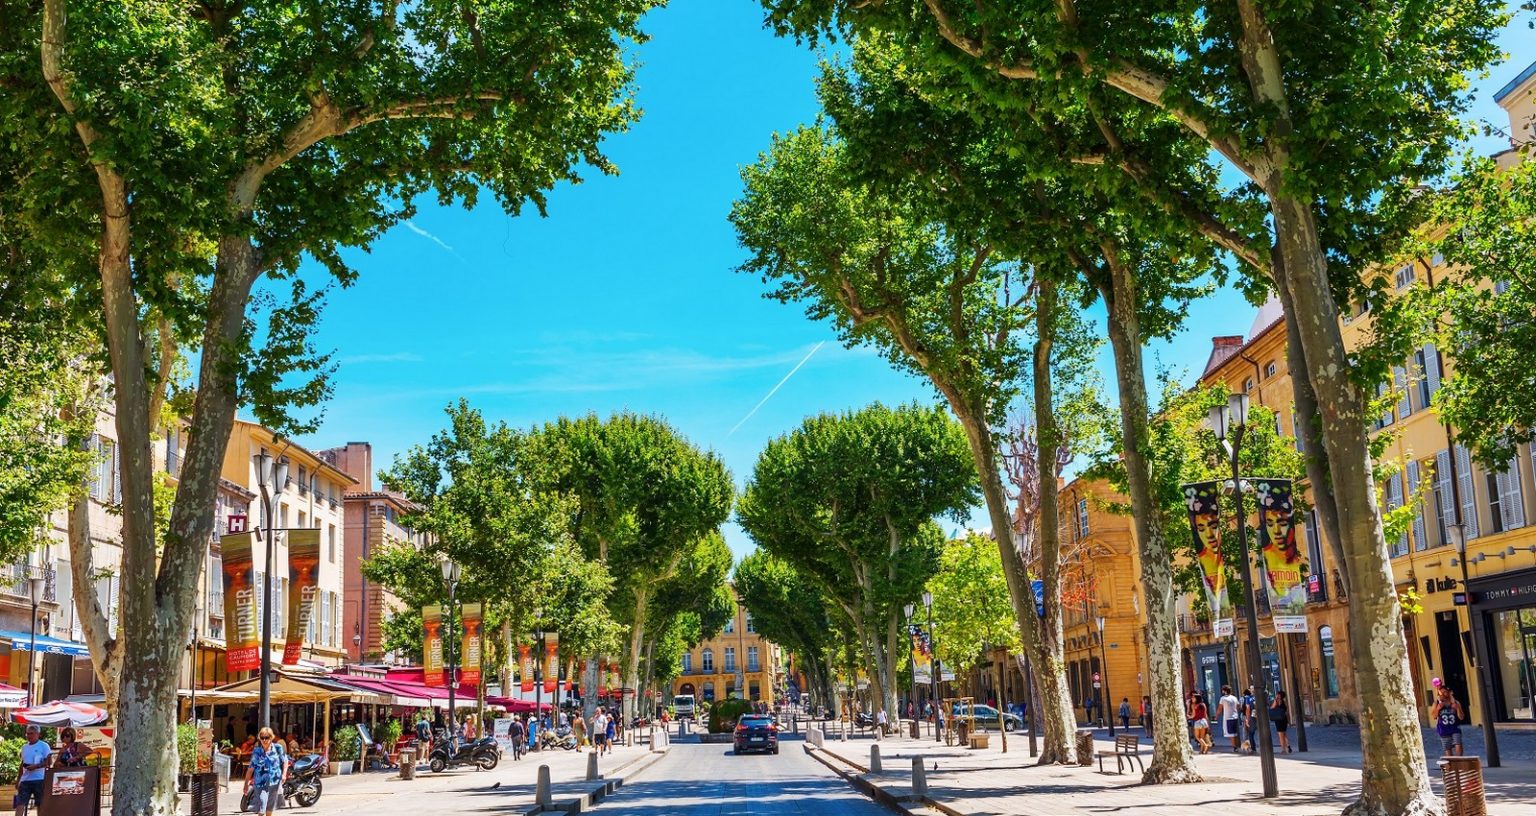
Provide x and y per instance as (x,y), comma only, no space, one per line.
(34,760)
(1229,712)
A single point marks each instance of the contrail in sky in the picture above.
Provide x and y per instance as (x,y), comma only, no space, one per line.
(775,389)
(411,225)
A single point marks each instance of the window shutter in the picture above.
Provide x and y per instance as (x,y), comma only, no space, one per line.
(1511,508)
(117,479)
(1394,500)
(1466,484)
(1432,368)
(1443,491)
(1400,382)
(1419,540)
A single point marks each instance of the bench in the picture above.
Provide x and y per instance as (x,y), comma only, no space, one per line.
(980,740)
(1127,751)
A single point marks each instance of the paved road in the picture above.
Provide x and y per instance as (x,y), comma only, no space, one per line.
(706,780)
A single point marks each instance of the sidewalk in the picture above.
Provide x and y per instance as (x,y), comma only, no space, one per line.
(508,788)
(986,782)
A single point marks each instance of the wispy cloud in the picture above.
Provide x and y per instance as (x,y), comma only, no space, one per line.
(394,357)
(776,387)
(411,225)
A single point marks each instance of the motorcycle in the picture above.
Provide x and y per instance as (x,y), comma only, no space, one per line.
(482,753)
(303,786)
(558,738)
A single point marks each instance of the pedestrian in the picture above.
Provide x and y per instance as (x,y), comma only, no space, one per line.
(881,721)
(1146,714)
(72,752)
(579,728)
(612,734)
(1447,715)
(1250,711)
(267,772)
(1125,712)
(1202,724)
(1229,710)
(1088,710)
(1280,716)
(600,731)
(518,736)
(34,761)
(423,734)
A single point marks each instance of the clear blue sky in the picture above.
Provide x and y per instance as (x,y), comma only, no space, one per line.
(625,296)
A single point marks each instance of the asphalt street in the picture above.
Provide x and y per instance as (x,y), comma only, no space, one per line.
(707,780)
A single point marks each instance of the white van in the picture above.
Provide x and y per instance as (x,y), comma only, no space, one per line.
(683,706)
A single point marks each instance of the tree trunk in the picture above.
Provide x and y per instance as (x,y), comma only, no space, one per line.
(1171,759)
(589,688)
(1395,775)
(632,656)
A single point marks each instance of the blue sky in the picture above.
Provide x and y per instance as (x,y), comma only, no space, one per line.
(625,296)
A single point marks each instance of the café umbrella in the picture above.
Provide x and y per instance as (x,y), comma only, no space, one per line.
(59,714)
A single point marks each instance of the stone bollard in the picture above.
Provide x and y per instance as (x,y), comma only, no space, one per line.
(919,777)
(874,759)
(541,793)
(592,773)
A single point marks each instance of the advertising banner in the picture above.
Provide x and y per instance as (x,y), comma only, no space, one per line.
(432,647)
(525,665)
(243,635)
(1203,499)
(303,587)
(1281,565)
(551,662)
(922,659)
(469,660)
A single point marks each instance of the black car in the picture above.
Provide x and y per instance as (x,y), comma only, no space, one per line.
(756,732)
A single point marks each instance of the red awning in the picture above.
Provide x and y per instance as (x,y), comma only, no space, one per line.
(378,685)
(515,706)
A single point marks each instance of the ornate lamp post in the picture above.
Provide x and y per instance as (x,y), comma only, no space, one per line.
(910,610)
(451,578)
(35,586)
(1105,699)
(272,477)
(937,671)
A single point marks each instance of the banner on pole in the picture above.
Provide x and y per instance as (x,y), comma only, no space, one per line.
(551,662)
(432,649)
(243,641)
(303,586)
(469,674)
(525,666)
(1203,500)
(1281,565)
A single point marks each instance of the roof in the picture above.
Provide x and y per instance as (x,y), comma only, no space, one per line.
(289,688)
(1509,88)
(398,499)
(284,445)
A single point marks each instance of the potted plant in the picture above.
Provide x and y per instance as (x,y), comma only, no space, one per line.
(346,748)
(186,755)
(389,734)
(10,768)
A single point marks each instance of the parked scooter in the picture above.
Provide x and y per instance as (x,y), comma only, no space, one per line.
(483,753)
(558,738)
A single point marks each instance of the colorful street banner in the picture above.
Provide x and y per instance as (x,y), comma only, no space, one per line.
(922,658)
(432,649)
(551,662)
(525,665)
(1203,500)
(243,636)
(1281,563)
(469,664)
(303,588)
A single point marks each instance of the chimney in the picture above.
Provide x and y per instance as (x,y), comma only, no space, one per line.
(1223,348)
(356,460)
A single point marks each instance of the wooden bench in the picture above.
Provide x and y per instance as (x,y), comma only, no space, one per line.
(1127,751)
(976,740)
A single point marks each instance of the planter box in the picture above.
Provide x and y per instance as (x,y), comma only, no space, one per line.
(7,796)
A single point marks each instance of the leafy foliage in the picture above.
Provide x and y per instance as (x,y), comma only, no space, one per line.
(970,603)
(788,608)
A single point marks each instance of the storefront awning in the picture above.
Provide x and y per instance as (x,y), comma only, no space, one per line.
(22,642)
(378,685)
(288,688)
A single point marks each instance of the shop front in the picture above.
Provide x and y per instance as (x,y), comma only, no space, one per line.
(1504,620)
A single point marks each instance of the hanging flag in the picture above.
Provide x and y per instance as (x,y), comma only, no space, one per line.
(470,664)
(551,662)
(303,586)
(1203,499)
(243,641)
(525,665)
(432,650)
(1280,560)
(922,657)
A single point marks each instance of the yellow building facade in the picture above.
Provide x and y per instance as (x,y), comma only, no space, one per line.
(737,662)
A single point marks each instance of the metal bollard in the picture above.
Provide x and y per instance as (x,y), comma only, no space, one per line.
(874,759)
(541,793)
(919,777)
(592,773)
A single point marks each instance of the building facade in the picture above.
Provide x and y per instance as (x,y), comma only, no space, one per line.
(737,662)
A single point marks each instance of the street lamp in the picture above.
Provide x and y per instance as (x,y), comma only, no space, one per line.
(910,610)
(1105,696)
(933,646)
(741,651)
(272,477)
(451,578)
(35,585)
(1230,421)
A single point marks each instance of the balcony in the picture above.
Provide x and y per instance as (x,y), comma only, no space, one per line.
(15,582)
(1194,625)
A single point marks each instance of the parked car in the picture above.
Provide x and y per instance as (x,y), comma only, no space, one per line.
(986,717)
(756,732)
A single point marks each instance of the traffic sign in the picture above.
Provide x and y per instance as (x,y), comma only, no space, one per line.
(1096,677)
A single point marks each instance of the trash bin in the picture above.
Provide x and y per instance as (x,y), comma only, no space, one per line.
(1085,746)
(408,763)
(1463,778)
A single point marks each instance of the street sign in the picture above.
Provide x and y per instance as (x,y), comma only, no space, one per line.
(1459,598)
(1096,684)
(1096,677)
(236,523)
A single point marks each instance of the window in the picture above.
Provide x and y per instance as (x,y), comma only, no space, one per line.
(303,482)
(1404,277)
(1420,540)
(751,627)
(330,542)
(1437,259)
(730,658)
(708,662)
(1394,500)
(1506,509)
(1082,518)
(1269,370)
(1500,287)
(1330,671)
(173,450)
(1248,386)
(1426,365)
(708,690)
(303,519)
(730,626)
(1400,385)
(752,659)
(1446,503)
(106,482)
(1386,419)
(687,662)
(1314,544)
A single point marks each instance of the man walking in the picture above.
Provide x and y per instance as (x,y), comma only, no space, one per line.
(518,736)
(34,759)
(1230,711)
(1446,714)
(1250,710)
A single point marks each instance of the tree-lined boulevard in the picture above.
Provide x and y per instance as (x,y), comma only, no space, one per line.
(1008,202)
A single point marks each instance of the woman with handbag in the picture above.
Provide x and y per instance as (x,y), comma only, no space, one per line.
(266,774)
